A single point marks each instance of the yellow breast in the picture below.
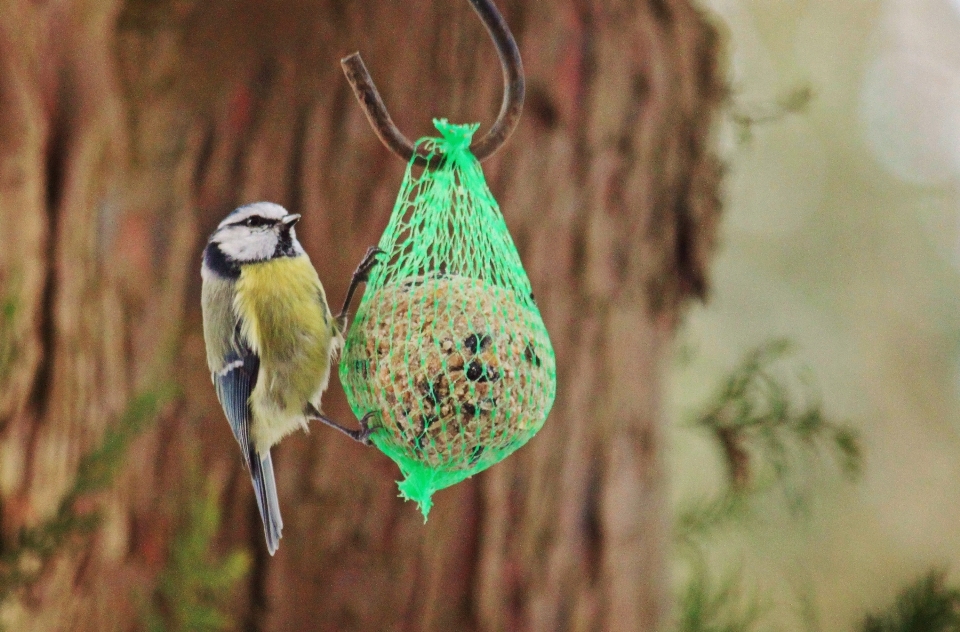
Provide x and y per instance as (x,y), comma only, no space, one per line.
(286,321)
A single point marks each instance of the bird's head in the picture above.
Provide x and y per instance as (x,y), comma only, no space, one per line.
(257,232)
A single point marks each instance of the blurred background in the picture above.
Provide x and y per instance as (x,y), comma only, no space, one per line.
(741,221)
(840,234)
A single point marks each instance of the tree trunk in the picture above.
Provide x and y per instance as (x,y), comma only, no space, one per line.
(128,131)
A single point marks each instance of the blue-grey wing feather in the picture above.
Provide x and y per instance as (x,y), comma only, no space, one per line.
(261,471)
(234,384)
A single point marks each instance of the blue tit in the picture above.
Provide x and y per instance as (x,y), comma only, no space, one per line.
(270,338)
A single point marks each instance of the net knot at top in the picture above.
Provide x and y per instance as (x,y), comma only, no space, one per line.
(455,139)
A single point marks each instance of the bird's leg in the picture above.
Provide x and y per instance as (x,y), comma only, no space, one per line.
(359,276)
(362,435)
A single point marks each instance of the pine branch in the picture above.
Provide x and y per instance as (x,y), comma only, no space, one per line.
(765,434)
(769,432)
(9,306)
(24,563)
(705,607)
(196,581)
(696,521)
(927,605)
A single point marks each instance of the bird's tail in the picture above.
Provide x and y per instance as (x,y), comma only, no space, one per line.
(265,489)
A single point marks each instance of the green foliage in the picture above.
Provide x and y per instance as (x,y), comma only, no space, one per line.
(8,351)
(928,605)
(705,607)
(196,581)
(695,522)
(770,430)
(766,435)
(98,468)
(22,564)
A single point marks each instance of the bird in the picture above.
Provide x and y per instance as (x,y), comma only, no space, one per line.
(270,339)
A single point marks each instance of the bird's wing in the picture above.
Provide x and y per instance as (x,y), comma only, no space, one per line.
(234,383)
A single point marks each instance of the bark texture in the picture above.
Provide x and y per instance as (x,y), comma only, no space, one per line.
(127,131)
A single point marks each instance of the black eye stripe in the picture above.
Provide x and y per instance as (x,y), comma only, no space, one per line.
(255,221)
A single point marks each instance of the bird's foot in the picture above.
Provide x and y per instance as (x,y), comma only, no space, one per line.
(361,436)
(362,273)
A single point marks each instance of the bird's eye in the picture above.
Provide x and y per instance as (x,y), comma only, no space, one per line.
(255,221)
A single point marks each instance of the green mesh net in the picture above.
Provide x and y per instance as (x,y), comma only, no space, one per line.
(448,346)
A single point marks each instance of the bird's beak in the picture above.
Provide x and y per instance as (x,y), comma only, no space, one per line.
(290,220)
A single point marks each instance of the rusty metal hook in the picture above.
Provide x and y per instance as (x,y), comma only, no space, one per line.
(510,108)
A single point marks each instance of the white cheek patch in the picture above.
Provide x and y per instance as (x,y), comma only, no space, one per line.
(243,244)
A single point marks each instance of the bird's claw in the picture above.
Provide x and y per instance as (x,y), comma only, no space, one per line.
(366,264)
(360,275)
(363,435)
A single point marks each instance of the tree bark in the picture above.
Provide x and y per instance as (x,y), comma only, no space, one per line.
(127,131)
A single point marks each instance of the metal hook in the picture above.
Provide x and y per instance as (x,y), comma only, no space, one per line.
(513,92)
